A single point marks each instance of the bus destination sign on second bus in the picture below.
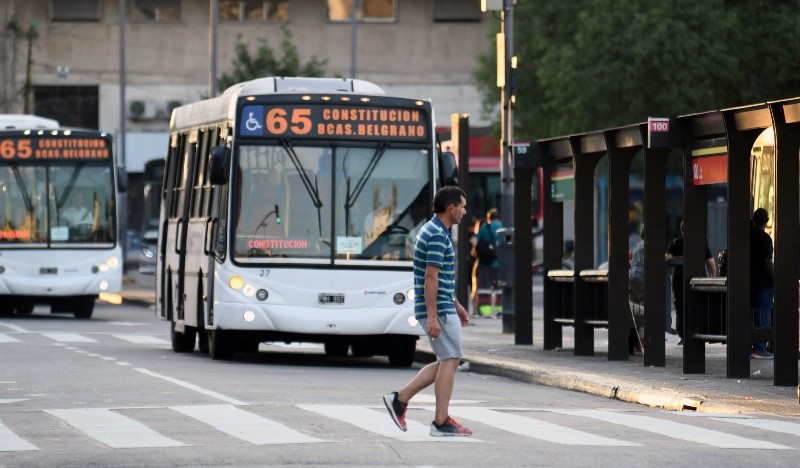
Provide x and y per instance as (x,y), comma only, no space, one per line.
(54,148)
(334,121)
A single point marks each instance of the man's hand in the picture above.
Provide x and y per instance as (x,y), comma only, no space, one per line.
(434,329)
(463,314)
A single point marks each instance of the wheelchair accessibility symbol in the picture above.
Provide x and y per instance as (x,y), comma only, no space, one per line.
(251,125)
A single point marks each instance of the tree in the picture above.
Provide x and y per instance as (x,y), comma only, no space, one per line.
(592,64)
(264,62)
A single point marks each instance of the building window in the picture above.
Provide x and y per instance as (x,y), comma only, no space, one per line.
(369,10)
(74,10)
(456,11)
(150,11)
(254,10)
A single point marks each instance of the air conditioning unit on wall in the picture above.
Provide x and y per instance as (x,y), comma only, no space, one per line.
(142,110)
(172,105)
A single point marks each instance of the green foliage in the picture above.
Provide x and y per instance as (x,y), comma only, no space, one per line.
(265,62)
(592,64)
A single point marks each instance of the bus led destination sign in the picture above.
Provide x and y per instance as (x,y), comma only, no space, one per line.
(315,121)
(54,148)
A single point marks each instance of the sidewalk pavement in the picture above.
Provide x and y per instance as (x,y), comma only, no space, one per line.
(488,351)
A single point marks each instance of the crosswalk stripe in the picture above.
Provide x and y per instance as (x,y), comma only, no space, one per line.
(673,429)
(68,338)
(141,339)
(534,428)
(10,442)
(773,425)
(112,429)
(4,338)
(379,422)
(244,425)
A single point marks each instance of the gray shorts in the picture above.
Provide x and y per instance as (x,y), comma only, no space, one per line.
(448,344)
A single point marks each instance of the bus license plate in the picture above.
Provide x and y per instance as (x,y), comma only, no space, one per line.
(48,271)
(331,298)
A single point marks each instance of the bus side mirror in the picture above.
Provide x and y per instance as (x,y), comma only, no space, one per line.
(449,167)
(218,165)
(122,180)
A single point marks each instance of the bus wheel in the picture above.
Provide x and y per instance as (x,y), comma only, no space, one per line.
(84,306)
(202,340)
(336,348)
(402,352)
(219,345)
(6,308)
(182,342)
(24,307)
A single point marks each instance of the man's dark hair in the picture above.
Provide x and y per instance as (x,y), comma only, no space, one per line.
(492,214)
(447,196)
(760,217)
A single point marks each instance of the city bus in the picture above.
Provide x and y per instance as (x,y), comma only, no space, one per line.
(58,217)
(151,207)
(288,214)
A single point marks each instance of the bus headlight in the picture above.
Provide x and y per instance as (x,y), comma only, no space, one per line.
(262,294)
(399,298)
(2,269)
(236,282)
(112,262)
(249,290)
(410,294)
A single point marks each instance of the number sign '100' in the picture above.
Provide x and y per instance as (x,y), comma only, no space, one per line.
(278,121)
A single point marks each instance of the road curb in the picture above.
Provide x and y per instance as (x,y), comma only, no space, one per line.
(592,384)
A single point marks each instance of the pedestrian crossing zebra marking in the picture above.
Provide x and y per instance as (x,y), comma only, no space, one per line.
(674,430)
(378,422)
(113,429)
(10,442)
(245,425)
(5,338)
(534,428)
(141,339)
(773,425)
(68,338)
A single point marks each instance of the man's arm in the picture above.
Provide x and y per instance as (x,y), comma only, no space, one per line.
(463,314)
(712,266)
(431,287)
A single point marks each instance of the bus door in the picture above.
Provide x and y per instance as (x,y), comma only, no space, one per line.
(165,214)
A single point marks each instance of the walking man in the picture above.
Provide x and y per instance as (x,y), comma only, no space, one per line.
(438,313)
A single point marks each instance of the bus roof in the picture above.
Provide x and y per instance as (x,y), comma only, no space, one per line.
(25,122)
(221,107)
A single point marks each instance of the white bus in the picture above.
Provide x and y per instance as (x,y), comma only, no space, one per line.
(289,211)
(58,217)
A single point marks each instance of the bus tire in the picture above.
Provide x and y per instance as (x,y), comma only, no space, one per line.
(402,353)
(182,342)
(6,308)
(202,340)
(24,307)
(219,345)
(336,348)
(83,307)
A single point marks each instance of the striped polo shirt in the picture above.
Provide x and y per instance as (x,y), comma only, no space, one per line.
(434,247)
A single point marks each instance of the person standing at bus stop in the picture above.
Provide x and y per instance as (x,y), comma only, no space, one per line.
(675,251)
(761,278)
(438,312)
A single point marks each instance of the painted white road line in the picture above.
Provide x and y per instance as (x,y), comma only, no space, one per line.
(4,338)
(68,338)
(773,425)
(674,430)
(244,425)
(424,398)
(534,428)
(141,339)
(113,429)
(187,385)
(10,442)
(379,422)
(12,400)
(13,327)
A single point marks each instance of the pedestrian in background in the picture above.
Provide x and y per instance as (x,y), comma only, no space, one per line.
(674,257)
(486,249)
(438,313)
(761,278)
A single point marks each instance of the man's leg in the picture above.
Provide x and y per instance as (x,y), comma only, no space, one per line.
(445,377)
(424,378)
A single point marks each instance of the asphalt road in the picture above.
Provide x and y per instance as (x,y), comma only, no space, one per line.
(110,392)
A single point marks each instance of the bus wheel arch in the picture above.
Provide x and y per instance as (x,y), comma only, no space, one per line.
(403,350)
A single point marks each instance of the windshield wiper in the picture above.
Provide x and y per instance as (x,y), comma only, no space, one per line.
(312,189)
(26,198)
(362,182)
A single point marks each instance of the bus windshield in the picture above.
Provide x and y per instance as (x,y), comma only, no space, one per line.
(58,204)
(324,204)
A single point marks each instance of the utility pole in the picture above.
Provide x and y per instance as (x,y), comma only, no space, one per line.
(121,136)
(30,35)
(354,37)
(506,38)
(212,48)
